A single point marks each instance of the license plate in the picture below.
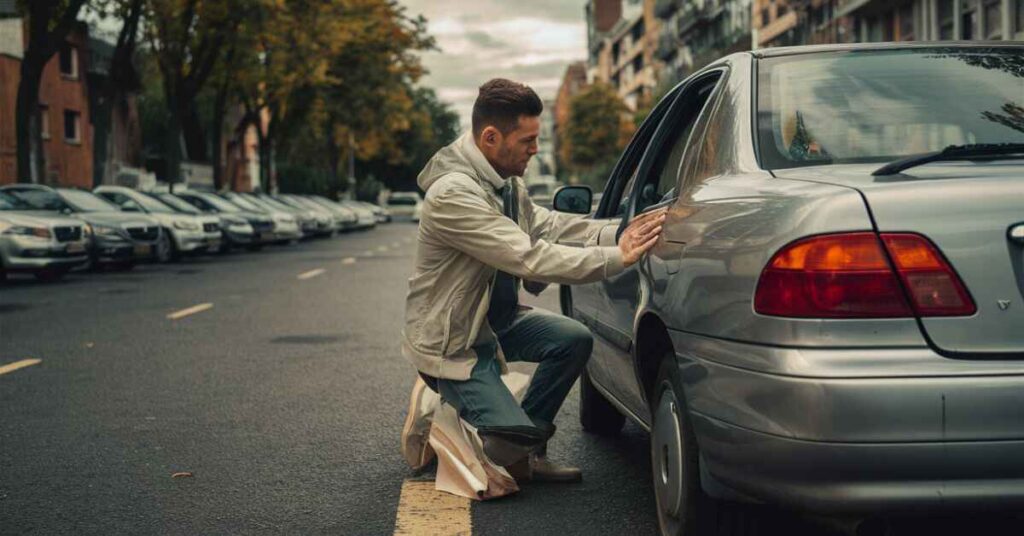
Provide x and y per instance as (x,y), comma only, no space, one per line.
(142,250)
(76,248)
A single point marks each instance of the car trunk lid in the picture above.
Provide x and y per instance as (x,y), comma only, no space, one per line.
(969,211)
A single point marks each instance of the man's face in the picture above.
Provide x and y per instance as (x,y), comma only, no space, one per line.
(510,153)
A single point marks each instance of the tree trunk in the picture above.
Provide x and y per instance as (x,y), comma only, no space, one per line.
(217,139)
(101,135)
(30,157)
(172,144)
(192,128)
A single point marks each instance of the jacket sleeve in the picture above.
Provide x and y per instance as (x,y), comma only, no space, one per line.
(463,220)
(559,227)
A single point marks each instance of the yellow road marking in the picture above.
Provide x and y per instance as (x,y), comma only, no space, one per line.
(423,510)
(190,311)
(348,260)
(396,244)
(11,367)
(311,274)
(382,248)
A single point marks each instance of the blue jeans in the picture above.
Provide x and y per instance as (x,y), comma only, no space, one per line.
(559,344)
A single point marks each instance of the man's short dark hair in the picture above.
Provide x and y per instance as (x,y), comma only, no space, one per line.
(501,103)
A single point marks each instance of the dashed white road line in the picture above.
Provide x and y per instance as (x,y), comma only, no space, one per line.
(348,260)
(190,311)
(396,244)
(368,253)
(11,367)
(311,274)
(382,248)
(424,510)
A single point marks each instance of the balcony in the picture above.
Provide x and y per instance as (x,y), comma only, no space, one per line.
(664,9)
(668,44)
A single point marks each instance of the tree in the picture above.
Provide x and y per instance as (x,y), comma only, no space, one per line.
(598,129)
(49,24)
(433,124)
(122,77)
(186,37)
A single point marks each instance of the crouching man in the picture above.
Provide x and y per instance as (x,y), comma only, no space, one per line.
(479,238)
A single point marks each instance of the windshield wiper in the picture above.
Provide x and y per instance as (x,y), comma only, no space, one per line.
(975,151)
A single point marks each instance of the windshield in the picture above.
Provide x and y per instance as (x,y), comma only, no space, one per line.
(41,199)
(177,203)
(218,203)
(152,205)
(9,202)
(403,199)
(88,201)
(277,204)
(882,105)
(245,203)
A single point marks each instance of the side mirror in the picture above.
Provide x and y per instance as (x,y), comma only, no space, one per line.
(573,199)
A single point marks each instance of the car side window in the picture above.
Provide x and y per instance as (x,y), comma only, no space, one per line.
(617,200)
(711,154)
(674,140)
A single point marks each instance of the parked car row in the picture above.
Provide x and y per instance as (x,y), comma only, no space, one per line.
(49,231)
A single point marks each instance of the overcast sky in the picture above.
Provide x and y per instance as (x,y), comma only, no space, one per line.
(531,41)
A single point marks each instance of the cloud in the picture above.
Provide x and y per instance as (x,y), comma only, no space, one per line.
(531,41)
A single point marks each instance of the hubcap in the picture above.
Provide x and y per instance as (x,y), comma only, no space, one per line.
(666,450)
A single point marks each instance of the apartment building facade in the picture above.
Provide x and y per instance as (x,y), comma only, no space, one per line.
(792,22)
(697,32)
(622,54)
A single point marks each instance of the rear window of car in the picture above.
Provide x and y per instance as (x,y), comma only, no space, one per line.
(882,105)
(403,200)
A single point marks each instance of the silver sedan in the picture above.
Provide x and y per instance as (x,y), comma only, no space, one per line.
(833,319)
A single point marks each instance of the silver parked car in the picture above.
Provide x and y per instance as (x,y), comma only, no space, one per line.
(261,223)
(45,244)
(833,319)
(286,224)
(183,233)
(116,238)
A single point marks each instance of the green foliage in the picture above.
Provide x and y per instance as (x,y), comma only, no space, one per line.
(597,131)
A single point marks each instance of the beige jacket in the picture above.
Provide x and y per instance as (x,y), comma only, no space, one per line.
(463,239)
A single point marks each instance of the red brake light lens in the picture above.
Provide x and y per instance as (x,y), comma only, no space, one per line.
(933,286)
(848,275)
(831,276)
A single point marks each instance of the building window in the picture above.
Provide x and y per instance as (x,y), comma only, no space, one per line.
(969,22)
(1020,16)
(945,19)
(993,20)
(764,17)
(906,23)
(69,61)
(44,121)
(72,126)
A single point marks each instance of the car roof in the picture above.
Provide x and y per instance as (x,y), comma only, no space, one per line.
(903,45)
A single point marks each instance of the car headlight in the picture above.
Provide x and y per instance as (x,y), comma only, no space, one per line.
(186,225)
(35,232)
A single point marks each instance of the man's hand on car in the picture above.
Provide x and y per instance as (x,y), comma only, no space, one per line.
(641,234)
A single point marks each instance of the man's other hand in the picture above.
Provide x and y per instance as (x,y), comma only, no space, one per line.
(641,234)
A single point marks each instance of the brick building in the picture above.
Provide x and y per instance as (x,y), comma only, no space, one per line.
(64,107)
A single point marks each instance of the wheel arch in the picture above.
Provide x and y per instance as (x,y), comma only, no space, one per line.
(651,343)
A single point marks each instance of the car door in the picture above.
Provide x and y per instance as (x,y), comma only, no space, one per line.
(589,300)
(653,184)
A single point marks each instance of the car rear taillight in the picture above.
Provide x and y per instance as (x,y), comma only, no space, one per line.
(831,276)
(933,286)
(849,275)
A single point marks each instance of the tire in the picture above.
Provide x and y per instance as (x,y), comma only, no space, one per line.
(166,250)
(597,414)
(675,467)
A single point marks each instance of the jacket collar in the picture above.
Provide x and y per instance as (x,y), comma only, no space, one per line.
(476,158)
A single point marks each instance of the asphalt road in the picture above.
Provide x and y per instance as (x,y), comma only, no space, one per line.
(279,390)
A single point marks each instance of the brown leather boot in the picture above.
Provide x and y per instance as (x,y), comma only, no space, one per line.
(538,468)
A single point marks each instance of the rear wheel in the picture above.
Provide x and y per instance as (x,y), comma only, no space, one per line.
(674,461)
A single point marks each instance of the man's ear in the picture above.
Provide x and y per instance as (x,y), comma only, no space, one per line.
(490,136)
